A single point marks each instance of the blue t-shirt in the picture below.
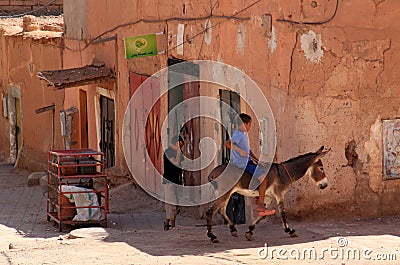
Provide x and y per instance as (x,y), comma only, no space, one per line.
(240,140)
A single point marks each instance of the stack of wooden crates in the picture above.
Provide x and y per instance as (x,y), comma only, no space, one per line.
(83,168)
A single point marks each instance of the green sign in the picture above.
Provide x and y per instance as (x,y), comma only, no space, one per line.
(141,46)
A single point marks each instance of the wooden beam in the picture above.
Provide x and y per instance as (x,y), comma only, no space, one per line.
(44,109)
(84,82)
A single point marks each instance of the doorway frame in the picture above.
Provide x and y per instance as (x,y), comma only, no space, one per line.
(110,94)
(14,96)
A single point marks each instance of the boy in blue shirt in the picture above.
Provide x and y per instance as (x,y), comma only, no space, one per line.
(242,158)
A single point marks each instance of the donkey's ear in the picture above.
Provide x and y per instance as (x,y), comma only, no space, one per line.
(321,153)
(320,150)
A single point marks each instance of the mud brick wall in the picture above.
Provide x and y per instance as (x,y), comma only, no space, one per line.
(10,7)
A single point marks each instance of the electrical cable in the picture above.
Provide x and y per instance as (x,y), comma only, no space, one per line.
(29,12)
(203,31)
(312,23)
(213,6)
(234,16)
(151,21)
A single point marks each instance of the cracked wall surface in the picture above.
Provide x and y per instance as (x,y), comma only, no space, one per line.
(22,57)
(343,98)
(332,87)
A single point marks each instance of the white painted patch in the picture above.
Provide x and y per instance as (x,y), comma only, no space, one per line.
(179,41)
(208,32)
(272,40)
(241,39)
(311,44)
(5,108)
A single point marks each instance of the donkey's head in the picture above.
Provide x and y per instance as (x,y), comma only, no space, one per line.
(317,172)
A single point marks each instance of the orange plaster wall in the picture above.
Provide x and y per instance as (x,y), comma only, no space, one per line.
(23,58)
(4,128)
(341,97)
(223,47)
(103,53)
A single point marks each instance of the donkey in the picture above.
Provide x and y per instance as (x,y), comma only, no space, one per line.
(280,177)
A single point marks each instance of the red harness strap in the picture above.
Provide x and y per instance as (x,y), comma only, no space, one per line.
(287,172)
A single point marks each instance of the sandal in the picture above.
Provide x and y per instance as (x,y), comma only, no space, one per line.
(262,211)
(266,212)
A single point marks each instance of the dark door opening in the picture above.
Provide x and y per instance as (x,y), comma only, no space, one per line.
(107,142)
(15,128)
(181,89)
(18,128)
(232,99)
(236,207)
(84,143)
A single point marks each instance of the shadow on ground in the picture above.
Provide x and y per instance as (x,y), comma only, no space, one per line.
(23,208)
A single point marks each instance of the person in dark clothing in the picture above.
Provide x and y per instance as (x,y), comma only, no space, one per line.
(173,158)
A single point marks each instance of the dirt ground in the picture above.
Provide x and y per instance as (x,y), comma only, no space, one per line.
(321,241)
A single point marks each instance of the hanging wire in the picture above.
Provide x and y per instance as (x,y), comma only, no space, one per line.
(29,12)
(224,17)
(234,16)
(312,23)
(219,23)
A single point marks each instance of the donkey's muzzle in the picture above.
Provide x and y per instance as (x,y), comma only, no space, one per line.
(322,185)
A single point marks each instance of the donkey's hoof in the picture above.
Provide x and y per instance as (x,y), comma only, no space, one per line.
(249,235)
(234,233)
(215,240)
(293,234)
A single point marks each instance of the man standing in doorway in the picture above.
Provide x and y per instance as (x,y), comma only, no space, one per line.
(173,158)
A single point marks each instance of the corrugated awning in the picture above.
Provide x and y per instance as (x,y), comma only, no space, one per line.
(77,76)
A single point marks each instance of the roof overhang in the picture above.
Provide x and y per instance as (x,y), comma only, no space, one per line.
(74,77)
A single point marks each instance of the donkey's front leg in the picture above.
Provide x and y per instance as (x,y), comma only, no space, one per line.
(249,233)
(292,232)
(217,206)
(210,213)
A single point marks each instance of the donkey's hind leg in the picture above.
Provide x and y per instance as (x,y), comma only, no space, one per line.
(210,214)
(279,200)
(222,212)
